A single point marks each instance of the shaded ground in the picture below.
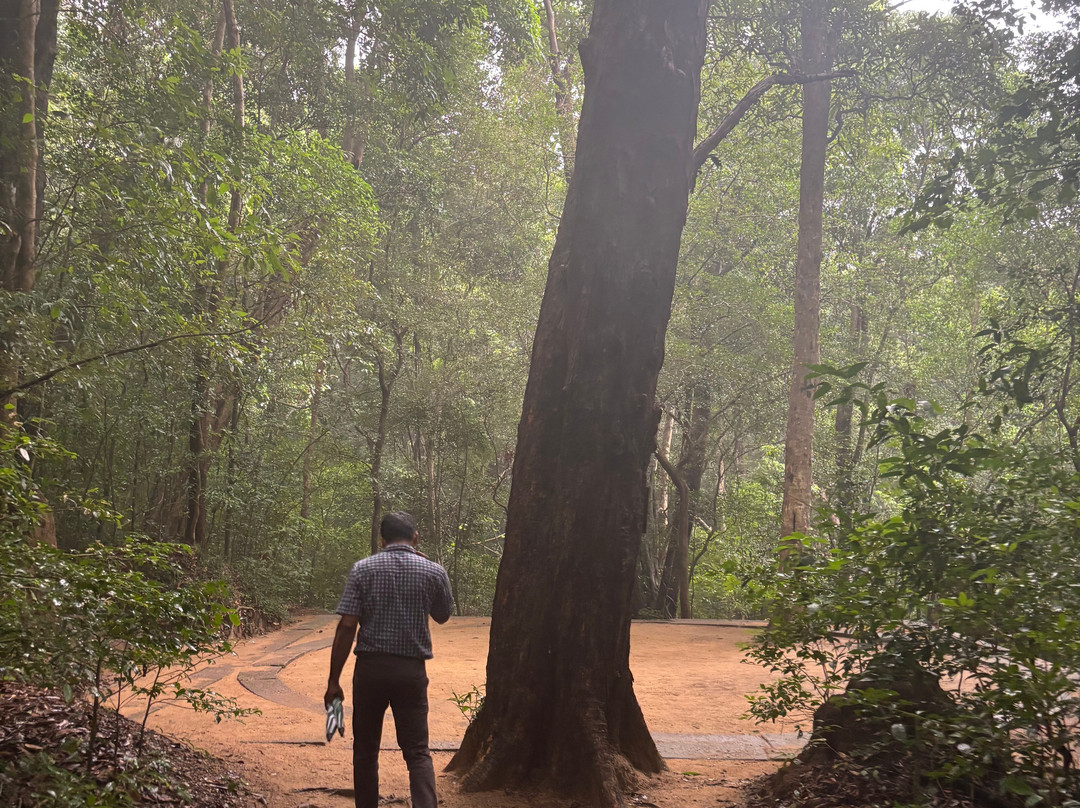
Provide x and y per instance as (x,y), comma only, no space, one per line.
(42,737)
(690,680)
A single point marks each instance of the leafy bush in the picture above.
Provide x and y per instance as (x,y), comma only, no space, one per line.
(106,623)
(976,580)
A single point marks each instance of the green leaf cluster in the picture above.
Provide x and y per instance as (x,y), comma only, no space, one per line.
(974,579)
(109,624)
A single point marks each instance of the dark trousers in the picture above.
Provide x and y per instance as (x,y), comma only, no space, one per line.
(380,680)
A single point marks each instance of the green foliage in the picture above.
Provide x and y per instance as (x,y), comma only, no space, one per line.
(468,702)
(108,623)
(45,781)
(729,580)
(1026,163)
(329,276)
(973,578)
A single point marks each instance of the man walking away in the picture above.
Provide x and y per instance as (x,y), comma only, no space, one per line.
(389,596)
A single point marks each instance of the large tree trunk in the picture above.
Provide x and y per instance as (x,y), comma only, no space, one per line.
(560,710)
(799,439)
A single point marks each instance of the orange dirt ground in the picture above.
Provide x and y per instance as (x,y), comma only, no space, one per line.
(690,679)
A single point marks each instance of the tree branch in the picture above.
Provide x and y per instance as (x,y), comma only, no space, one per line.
(101,357)
(753,95)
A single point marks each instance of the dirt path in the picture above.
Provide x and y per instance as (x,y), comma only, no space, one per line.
(690,680)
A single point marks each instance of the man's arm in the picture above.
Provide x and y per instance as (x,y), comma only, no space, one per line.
(343,641)
(442,602)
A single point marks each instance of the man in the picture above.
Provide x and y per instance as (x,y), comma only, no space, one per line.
(389,596)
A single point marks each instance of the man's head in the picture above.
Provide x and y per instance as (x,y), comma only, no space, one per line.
(398,527)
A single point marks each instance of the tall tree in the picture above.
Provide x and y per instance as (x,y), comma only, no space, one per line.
(27,49)
(560,707)
(562,82)
(799,437)
(209,418)
(686,475)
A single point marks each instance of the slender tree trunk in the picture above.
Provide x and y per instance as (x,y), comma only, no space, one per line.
(19,149)
(45,47)
(679,547)
(665,598)
(387,377)
(720,497)
(19,124)
(459,535)
(560,710)
(27,52)
(564,100)
(693,458)
(675,579)
(799,438)
(230,481)
(376,472)
(351,144)
(844,466)
(313,435)
(432,483)
(653,544)
(205,294)
(207,421)
(668,434)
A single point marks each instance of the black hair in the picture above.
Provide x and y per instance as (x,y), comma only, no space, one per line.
(397,526)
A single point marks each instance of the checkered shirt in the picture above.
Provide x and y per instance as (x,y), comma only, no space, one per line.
(393,592)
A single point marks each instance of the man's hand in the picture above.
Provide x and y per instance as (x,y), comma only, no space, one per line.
(333,691)
(339,652)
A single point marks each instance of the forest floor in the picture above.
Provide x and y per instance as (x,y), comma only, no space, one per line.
(689,677)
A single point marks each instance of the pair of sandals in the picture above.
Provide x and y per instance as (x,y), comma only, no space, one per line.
(335,719)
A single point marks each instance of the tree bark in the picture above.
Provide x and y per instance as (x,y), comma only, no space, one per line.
(799,438)
(560,711)
(653,546)
(198,463)
(668,433)
(351,143)
(45,47)
(387,377)
(313,436)
(27,52)
(564,100)
(19,155)
(431,486)
(207,422)
(231,468)
(845,467)
(674,589)
(678,548)
(18,166)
